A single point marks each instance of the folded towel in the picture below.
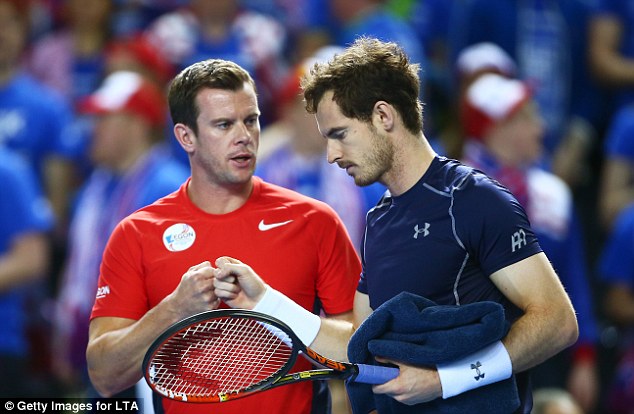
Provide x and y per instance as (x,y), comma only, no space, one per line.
(416,331)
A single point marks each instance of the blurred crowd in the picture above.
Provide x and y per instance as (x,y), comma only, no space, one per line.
(537,93)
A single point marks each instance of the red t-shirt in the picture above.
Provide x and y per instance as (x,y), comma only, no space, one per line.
(298,245)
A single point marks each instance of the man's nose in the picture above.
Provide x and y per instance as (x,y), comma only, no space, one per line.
(333,151)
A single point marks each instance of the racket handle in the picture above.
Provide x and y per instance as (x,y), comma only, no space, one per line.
(374,374)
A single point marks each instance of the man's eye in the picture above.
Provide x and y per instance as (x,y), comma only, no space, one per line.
(339,135)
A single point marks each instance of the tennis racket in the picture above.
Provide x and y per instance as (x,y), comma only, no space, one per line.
(222,355)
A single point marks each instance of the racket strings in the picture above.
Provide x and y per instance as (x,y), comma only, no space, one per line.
(233,372)
(220,356)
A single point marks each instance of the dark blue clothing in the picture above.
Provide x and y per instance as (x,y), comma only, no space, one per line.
(616,265)
(618,141)
(443,238)
(415,330)
(23,210)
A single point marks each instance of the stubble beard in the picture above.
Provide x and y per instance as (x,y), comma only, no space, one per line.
(377,162)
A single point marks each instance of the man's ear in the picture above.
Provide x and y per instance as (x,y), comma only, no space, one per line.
(185,137)
(383,115)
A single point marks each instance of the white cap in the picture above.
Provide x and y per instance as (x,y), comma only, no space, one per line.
(490,99)
(485,56)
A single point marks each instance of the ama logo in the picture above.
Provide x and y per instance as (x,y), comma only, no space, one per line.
(179,237)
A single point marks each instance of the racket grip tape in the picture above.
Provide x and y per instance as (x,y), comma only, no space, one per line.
(374,374)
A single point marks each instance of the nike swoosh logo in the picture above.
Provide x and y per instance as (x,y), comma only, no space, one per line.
(264,227)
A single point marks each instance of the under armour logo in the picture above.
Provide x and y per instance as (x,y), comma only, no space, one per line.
(424,230)
(479,374)
(518,239)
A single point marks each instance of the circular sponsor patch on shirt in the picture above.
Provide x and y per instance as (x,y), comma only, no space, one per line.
(179,237)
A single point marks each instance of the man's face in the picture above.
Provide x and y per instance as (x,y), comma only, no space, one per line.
(523,133)
(113,136)
(228,136)
(358,147)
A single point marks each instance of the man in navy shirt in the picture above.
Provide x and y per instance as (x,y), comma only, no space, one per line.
(443,231)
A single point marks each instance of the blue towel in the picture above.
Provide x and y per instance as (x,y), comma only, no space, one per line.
(415,330)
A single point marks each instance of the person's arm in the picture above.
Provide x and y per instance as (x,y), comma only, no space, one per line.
(547,326)
(26,260)
(239,286)
(617,191)
(333,336)
(58,182)
(116,346)
(608,64)
(569,160)
(338,395)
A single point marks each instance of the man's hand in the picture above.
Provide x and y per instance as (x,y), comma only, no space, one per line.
(237,284)
(195,292)
(414,385)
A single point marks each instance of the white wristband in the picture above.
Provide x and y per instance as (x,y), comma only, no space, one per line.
(304,323)
(486,366)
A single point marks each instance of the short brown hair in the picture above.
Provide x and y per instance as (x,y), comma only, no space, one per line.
(211,73)
(368,71)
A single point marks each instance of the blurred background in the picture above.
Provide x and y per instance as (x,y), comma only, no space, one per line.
(85,139)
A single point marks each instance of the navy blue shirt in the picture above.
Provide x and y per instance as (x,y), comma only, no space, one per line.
(443,238)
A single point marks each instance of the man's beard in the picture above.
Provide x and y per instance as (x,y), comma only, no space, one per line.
(377,162)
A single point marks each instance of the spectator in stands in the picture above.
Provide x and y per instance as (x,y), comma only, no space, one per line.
(35,122)
(222,29)
(472,62)
(138,54)
(548,42)
(611,48)
(611,56)
(25,221)
(71,58)
(617,180)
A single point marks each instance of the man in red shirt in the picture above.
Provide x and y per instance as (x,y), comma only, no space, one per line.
(298,245)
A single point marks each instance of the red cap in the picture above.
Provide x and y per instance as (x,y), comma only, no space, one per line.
(290,88)
(127,92)
(491,99)
(141,49)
